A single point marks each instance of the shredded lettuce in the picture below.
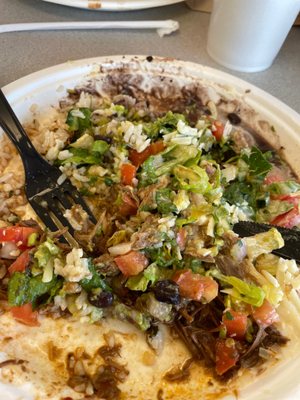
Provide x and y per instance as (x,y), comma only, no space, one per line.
(163,163)
(83,142)
(193,179)
(163,256)
(100,147)
(282,188)
(164,202)
(45,252)
(241,194)
(194,213)
(163,125)
(126,313)
(273,210)
(243,291)
(93,155)
(96,281)
(23,289)
(257,162)
(149,276)
(181,200)
(79,119)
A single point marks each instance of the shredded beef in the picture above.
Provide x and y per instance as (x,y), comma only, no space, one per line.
(198,325)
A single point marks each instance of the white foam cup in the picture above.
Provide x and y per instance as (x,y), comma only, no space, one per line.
(246,35)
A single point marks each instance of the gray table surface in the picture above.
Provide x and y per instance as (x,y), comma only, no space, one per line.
(25,52)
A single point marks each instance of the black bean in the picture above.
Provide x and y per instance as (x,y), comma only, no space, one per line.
(167,291)
(101,300)
(234,118)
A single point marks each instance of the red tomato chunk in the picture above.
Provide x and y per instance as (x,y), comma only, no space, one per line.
(288,219)
(21,263)
(195,286)
(265,315)
(235,323)
(25,315)
(137,159)
(226,355)
(132,263)
(16,234)
(128,172)
(218,130)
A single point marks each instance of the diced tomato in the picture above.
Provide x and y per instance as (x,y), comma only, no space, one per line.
(235,323)
(226,355)
(132,263)
(211,288)
(128,206)
(218,130)
(17,234)
(137,159)
(292,217)
(128,172)
(189,285)
(275,175)
(196,286)
(288,219)
(181,238)
(288,198)
(265,315)
(25,314)
(21,263)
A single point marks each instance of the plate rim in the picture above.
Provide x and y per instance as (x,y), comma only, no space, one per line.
(115,5)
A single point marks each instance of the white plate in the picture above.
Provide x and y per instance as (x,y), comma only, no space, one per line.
(47,86)
(114,5)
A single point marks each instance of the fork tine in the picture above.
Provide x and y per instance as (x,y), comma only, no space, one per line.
(43,214)
(54,207)
(54,223)
(77,198)
(62,197)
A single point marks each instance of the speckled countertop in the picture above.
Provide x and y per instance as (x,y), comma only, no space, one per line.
(26,52)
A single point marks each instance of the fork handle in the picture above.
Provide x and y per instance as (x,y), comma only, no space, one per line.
(12,127)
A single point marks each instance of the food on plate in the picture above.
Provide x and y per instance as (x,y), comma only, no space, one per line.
(166,174)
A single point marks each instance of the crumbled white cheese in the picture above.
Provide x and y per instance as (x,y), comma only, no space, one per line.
(76,267)
(85,100)
(77,113)
(105,112)
(186,130)
(184,134)
(133,135)
(64,155)
(120,157)
(52,153)
(227,130)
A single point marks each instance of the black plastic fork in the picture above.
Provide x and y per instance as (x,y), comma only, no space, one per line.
(48,198)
